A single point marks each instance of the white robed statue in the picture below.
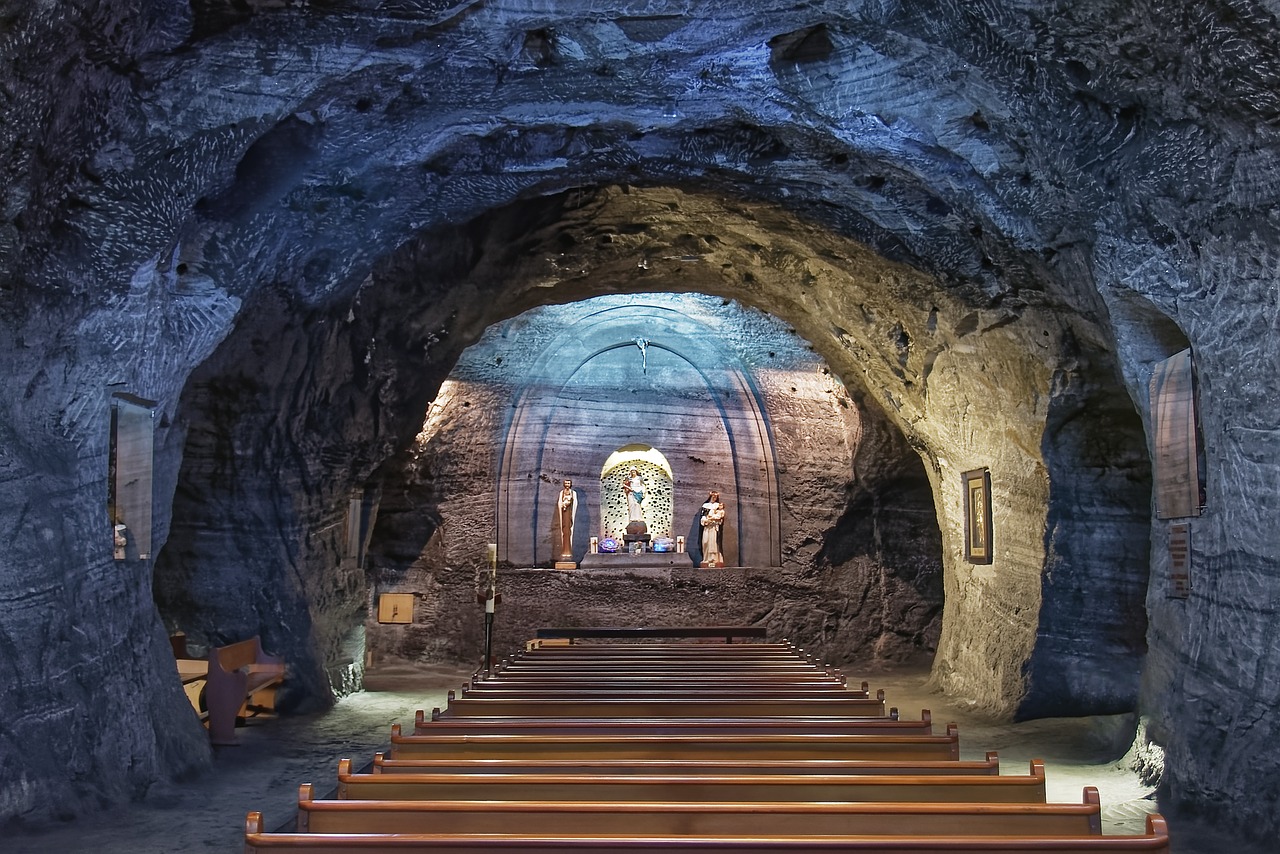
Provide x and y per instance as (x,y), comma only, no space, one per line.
(634,487)
(712,520)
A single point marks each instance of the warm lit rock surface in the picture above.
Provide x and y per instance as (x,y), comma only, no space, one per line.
(857,575)
(284,225)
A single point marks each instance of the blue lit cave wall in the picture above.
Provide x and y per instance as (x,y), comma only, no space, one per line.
(281,225)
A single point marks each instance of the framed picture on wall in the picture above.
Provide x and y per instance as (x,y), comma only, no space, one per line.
(977,516)
(395,608)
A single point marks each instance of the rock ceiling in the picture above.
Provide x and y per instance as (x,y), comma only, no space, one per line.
(281,219)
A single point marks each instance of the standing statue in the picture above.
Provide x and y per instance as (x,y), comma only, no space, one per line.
(712,530)
(634,487)
(566,509)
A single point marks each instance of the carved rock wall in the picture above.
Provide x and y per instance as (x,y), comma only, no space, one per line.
(868,589)
(990,220)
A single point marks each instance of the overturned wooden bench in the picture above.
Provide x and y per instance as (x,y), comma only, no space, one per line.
(242,679)
(1155,841)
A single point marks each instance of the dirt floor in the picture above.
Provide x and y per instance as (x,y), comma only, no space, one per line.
(263,773)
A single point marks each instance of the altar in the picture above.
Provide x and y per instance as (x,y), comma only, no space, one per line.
(629,561)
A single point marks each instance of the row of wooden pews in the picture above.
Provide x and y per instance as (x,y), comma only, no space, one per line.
(662,747)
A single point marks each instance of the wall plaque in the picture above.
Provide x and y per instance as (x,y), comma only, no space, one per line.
(1180,561)
(1176,468)
(395,608)
(977,516)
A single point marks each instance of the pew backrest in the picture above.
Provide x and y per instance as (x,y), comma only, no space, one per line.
(500,786)
(383,764)
(786,746)
(782,817)
(1154,841)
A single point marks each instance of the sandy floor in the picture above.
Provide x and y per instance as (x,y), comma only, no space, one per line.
(276,755)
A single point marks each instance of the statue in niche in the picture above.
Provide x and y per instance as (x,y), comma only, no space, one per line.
(712,521)
(634,487)
(566,510)
(121,541)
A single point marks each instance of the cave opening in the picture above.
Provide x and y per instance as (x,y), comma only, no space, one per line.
(831,528)
(304,403)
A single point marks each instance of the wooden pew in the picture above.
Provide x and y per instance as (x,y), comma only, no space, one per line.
(786,746)
(1154,841)
(662,683)
(696,818)
(618,670)
(889,725)
(241,678)
(671,691)
(791,785)
(577,633)
(667,650)
(552,658)
(383,764)
(194,673)
(685,707)
(1027,789)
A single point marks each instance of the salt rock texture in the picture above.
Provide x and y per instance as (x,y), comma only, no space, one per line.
(858,576)
(285,222)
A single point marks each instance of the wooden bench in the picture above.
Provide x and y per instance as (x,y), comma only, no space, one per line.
(662,683)
(549,649)
(684,707)
(672,782)
(785,817)
(193,672)
(620,669)
(786,746)
(1028,789)
(385,765)
(1154,841)
(242,679)
(818,686)
(887,725)
(583,632)
(671,690)
(571,656)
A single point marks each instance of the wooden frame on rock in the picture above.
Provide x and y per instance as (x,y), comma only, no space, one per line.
(977,516)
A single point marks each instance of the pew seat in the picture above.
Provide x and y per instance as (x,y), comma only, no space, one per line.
(785,746)
(383,764)
(472,706)
(827,788)
(1154,841)
(784,817)
(889,724)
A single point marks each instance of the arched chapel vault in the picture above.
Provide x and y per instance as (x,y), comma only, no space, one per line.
(278,227)
(967,386)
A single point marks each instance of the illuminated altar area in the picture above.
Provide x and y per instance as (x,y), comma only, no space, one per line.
(719,397)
